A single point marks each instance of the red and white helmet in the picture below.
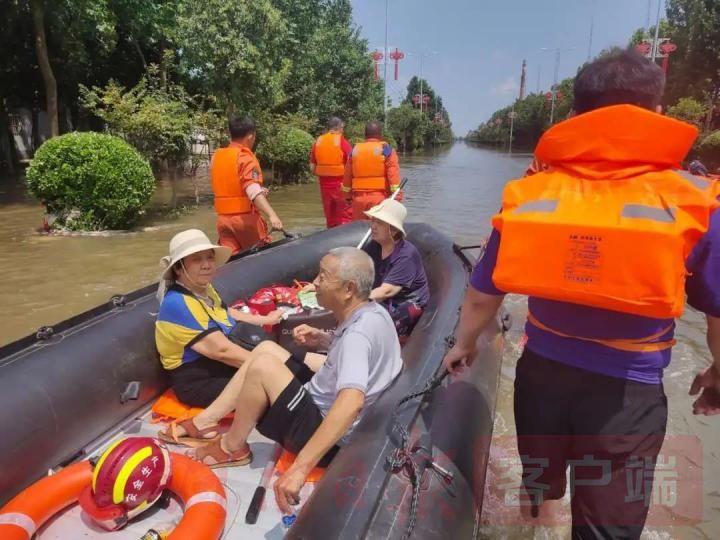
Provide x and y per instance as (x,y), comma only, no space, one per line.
(128,478)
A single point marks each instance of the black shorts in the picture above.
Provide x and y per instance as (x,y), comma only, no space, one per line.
(294,417)
(198,383)
(597,425)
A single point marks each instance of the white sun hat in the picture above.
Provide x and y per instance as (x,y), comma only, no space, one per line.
(391,212)
(186,243)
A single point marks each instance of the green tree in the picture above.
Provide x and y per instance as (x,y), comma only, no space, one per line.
(235,51)
(408,126)
(695,66)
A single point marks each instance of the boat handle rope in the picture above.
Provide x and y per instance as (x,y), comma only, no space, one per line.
(403,457)
(118,301)
(44,332)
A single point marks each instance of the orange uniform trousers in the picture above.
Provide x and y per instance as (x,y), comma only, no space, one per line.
(337,210)
(240,231)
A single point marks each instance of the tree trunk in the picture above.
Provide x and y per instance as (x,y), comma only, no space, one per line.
(712,96)
(139,51)
(38,14)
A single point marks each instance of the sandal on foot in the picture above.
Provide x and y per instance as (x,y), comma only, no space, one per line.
(215,457)
(192,437)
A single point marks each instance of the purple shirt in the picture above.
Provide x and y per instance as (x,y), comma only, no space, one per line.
(404,268)
(703,291)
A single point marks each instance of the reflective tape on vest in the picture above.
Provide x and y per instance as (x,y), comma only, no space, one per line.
(19,520)
(205,496)
(546,206)
(641,211)
(697,181)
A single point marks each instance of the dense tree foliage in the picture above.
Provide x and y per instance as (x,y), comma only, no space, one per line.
(267,58)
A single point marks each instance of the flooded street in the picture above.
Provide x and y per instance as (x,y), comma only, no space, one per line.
(456,190)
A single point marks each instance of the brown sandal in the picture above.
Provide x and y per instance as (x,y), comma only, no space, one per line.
(193,436)
(220,457)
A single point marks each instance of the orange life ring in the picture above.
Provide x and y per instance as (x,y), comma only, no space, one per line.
(200,490)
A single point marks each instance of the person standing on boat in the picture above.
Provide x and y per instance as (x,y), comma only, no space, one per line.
(606,244)
(237,183)
(311,405)
(194,325)
(372,174)
(400,285)
(328,156)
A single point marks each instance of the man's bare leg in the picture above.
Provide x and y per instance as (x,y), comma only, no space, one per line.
(265,380)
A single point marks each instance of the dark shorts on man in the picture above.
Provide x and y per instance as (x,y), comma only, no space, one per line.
(199,383)
(598,425)
(293,418)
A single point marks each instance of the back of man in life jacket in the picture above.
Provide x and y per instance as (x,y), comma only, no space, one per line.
(328,156)
(240,198)
(372,174)
(615,205)
(607,238)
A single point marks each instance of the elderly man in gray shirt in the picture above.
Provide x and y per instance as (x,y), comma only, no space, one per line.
(310,405)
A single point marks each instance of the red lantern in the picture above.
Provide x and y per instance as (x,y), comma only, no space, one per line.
(396,56)
(377,56)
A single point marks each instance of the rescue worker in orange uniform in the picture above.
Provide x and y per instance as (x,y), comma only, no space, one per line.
(372,174)
(607,241)
(237,183)
(328,156)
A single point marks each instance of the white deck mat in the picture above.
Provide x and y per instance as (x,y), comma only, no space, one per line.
(239,482)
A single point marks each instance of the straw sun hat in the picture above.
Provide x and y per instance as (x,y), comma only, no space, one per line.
(391,212)
(186,243)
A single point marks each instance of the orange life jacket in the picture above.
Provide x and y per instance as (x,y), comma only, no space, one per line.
(230,196)
(611,224)
(329,157)
(368,167)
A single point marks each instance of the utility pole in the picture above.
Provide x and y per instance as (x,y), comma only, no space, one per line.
(647,20)
(653,55)
(590,40)
(522,81)
(387,2)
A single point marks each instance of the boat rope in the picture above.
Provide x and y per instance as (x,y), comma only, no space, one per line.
(403,457)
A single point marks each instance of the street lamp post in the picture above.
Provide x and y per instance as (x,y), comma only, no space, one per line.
(421,56)
(558,52)
(385,52)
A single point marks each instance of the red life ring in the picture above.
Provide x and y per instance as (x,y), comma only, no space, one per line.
(200,490)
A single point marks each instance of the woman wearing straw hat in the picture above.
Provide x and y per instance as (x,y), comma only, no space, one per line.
(400,280)
(194,324)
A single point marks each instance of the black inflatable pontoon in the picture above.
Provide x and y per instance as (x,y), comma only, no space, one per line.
(67,389)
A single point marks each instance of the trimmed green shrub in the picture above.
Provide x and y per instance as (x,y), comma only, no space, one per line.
(287,151)
(709,149)
(688,110)
(91,181)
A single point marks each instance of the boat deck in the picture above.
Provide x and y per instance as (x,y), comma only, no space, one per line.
(239,483)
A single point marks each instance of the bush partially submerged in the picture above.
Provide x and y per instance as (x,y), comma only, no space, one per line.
(91,181)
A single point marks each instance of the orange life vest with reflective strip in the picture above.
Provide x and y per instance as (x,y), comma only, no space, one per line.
(329,157)
(230,197)
(368,167)
(614,241)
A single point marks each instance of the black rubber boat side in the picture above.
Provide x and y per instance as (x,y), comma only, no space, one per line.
(59,394)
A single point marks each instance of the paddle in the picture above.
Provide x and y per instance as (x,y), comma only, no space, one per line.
(259,495)
(392,197)
(267,238)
